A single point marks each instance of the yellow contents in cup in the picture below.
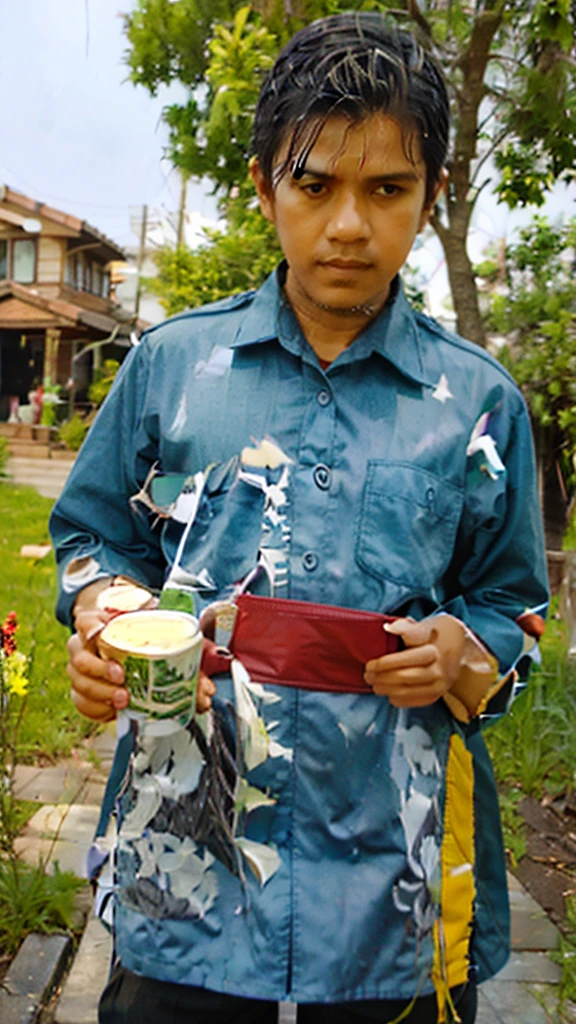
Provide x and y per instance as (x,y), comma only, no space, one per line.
(160,651)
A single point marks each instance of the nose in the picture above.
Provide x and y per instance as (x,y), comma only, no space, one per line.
(348,220)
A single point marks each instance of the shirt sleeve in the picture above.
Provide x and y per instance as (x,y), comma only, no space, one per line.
(95,529)
(499,573)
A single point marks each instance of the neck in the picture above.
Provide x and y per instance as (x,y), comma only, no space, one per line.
(329,330)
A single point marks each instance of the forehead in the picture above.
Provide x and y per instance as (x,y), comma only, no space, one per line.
(377,143)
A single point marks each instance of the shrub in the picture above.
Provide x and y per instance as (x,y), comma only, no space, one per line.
(73,432)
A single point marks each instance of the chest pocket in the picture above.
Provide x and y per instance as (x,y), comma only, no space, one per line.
(408,523)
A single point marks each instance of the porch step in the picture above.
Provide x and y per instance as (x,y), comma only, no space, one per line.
(25,440)
(47,475)
(20,448)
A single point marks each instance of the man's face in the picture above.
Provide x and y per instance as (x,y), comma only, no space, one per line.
(346,226)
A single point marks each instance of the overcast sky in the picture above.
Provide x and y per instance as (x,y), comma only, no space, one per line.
(74,132)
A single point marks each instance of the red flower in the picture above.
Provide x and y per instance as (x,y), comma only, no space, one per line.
(7,633)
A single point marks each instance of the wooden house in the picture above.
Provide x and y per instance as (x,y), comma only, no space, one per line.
(58,317)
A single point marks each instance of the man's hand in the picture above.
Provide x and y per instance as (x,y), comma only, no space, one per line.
(98,689)
(416,676)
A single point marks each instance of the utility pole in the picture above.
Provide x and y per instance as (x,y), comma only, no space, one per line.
(141,255)
(182,210)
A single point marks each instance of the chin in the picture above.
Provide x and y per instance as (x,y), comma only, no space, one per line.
(343,300)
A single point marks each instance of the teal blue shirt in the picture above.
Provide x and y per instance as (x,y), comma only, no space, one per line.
(410,489)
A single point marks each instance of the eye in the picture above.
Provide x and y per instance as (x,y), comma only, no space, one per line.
(314,188)
(388,189)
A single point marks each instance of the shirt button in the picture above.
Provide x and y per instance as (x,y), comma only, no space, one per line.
(310,561)
(323,397)
(322,476)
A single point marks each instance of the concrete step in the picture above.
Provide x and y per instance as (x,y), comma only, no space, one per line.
(46,475)
(23,448)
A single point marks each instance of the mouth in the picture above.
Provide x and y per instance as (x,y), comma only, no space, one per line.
(345,264)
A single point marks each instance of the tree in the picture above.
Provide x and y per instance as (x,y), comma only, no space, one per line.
(510,64)
(537,313)
(229,261)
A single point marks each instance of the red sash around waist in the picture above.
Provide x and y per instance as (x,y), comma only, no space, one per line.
(298,643)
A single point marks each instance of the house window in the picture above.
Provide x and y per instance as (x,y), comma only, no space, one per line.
(3,260)
(97,279)
(24,260)
(70,274)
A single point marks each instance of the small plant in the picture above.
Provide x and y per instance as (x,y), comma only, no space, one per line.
(30,899)
(513,826)
(13,689)
(103,381)
(533,746)
(4,456)
(73,432)
(565,955)
(33,901)
(50,399)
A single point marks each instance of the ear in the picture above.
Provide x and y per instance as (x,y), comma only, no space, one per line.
(264,190)
(441,186)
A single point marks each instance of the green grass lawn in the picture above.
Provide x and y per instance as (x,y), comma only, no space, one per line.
(51,726)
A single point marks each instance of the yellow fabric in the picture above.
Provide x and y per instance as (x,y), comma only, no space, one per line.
(453,929)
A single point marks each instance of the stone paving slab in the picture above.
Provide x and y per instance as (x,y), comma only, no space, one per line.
(530,966)
(33,974)
(62,783)
(512,1002)
(104,745)
(532,929)
(486,1014)
(78,1003)
(62,833)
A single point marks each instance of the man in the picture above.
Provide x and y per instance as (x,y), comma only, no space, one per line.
(318,441)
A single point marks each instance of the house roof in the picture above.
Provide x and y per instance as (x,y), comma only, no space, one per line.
(17,205)
(23,308)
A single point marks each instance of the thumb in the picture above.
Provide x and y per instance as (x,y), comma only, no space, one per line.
(414,634)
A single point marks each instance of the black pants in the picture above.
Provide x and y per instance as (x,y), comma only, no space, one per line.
(130,999)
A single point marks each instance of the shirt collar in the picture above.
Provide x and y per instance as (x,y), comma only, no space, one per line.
(394,334)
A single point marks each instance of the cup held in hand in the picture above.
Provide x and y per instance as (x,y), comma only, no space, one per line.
(160,652)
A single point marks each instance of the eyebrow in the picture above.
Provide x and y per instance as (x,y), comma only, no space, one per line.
(372,180)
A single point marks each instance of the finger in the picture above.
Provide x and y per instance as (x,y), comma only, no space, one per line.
(121,698)
(94,690)
(89,624)
(413,633)
(413,675)
(94,710)
(416,699)
(412,656)
(205,692)
(88,662)
(396,687)
(413,693)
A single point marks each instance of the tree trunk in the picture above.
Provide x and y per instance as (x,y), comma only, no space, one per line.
(469,323)
(467,98)
(555,506)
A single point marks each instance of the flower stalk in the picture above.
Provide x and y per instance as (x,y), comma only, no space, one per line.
(13,692)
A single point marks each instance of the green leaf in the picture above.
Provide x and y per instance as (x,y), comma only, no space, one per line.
(175,600)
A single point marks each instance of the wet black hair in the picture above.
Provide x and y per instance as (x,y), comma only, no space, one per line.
(354,65)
